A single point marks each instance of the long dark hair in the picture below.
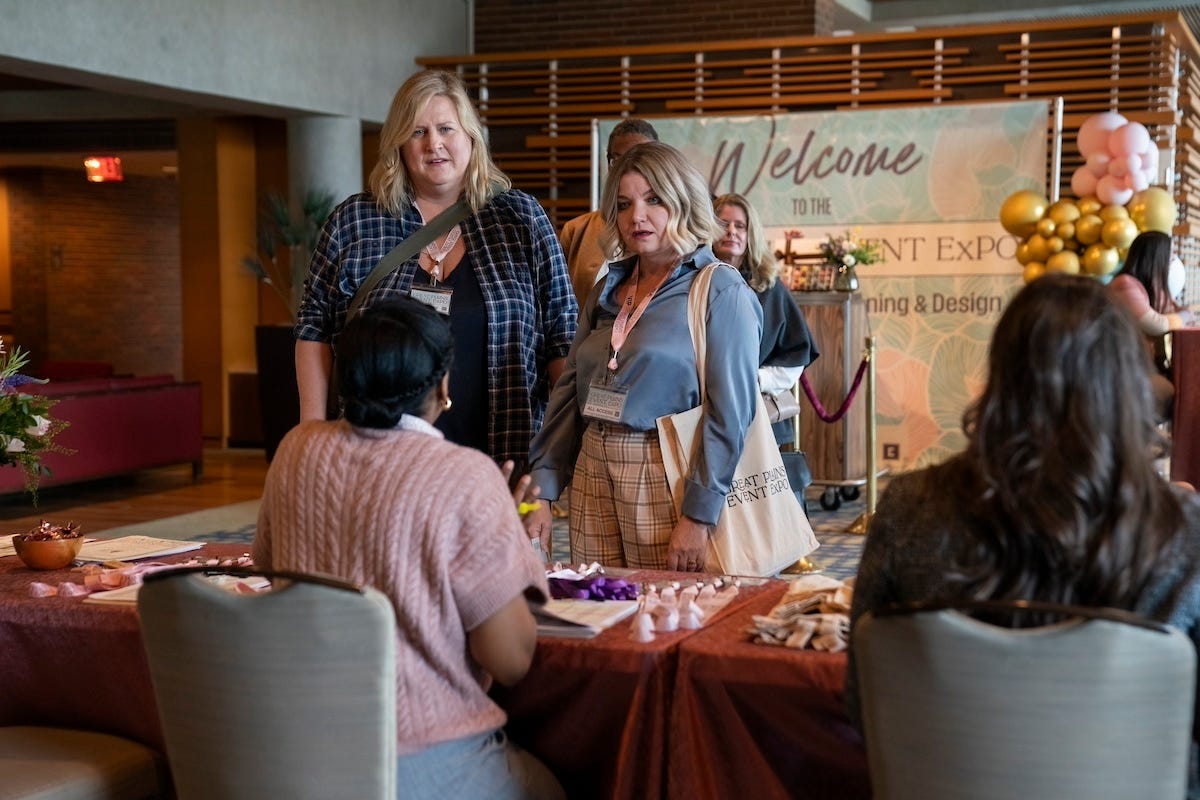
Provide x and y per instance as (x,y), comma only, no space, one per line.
(1059,482)
(389,359)
(1149,261)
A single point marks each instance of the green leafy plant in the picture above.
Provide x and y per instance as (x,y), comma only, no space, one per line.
(26,428)
(279,232)
(848,252)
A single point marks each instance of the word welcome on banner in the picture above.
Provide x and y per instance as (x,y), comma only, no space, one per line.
(920,164)
(925,183)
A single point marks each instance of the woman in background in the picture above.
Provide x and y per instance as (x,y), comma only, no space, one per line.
(510,303)
(787,344)
(632,361)
(381,498)
(1056,497)
(1147,285)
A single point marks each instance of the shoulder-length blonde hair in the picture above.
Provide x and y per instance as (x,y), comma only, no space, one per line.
(759,261)
(691,220)
(390,182)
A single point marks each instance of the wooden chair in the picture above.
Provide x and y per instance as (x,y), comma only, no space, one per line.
(286,693)
(1098,705)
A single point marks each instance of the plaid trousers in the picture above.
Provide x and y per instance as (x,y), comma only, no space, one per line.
(621,510)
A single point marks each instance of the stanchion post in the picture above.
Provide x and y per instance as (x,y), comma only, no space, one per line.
(863,521)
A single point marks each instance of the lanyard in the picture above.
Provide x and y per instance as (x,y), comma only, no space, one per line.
(626,319)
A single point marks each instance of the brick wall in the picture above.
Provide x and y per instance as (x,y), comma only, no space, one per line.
(95,269)
(506,25)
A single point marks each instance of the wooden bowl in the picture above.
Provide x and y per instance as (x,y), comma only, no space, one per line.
(47,553)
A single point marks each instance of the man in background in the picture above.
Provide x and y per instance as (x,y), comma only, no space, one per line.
(580,237)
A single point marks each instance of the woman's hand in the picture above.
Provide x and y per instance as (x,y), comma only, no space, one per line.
(535,514)
(524,495)
(689,542)
(539,524)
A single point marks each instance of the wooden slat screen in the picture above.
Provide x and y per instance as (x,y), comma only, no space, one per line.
(538,106)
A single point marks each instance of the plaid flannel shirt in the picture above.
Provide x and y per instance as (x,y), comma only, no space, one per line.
(531,308)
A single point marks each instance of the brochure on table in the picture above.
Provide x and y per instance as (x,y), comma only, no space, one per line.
(580,619)
(132,548)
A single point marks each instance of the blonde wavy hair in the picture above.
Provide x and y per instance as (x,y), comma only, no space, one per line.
(691,220)
(390,182)
(759,261)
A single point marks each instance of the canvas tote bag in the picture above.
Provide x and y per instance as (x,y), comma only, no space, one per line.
(763,527)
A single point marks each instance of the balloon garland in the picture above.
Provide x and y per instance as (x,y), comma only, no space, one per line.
(1115,202)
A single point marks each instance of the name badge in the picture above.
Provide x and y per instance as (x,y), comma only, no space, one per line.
(436,297)
(605,402)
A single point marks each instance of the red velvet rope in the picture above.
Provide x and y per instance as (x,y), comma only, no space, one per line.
(841,412)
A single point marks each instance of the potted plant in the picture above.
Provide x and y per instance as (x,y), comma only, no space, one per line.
(279,232)
(285,245)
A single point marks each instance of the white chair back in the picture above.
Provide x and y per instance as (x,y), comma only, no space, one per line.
(288,693)
(1097,706)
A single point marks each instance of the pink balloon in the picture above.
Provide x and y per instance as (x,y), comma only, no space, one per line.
(1112,191)
(1138,181)
(1128,140)
(1150,162)
(1083,182)
(1119,167)
(1097,163)
(1093,133)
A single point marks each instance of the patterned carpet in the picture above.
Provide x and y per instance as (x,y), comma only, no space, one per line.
(837,556)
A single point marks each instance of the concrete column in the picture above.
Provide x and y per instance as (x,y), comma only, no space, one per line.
(324,153)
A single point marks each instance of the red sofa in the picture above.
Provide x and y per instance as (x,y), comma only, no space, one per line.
(117,426)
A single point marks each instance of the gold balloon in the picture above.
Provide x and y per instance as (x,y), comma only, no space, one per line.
(1063,211)
(1066,261)
(1089,205)
(1023,256)
(1038,249)
(1100,260)
(1087,229)
(1072,244)
(1033,270)
(1065,231)
(1153,209)
(1113,212)
(1045,226)
(1019,214)
(1055,244)
(1119,232)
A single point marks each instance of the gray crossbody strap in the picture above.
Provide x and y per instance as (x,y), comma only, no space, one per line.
(407,249)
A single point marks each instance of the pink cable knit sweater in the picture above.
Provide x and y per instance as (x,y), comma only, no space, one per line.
(430,524)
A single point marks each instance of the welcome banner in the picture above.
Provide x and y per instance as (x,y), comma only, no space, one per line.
(927,184)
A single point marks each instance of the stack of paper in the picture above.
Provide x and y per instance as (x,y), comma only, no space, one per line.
(131,548)
(580,619)
(232,583)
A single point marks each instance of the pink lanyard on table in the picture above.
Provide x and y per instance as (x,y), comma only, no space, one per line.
(625,320)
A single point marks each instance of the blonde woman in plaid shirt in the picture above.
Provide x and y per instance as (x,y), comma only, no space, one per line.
(510,302)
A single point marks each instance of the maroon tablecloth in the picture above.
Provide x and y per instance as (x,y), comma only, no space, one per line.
(67,663)
(1185,425)
(603,713)
(596,710)
(758,721)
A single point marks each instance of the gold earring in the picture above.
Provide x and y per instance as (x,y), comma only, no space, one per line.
(446,404)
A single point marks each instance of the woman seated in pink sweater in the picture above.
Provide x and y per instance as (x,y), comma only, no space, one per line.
(1146,287)
(381,498)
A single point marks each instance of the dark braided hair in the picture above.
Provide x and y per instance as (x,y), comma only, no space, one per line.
(390,357)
